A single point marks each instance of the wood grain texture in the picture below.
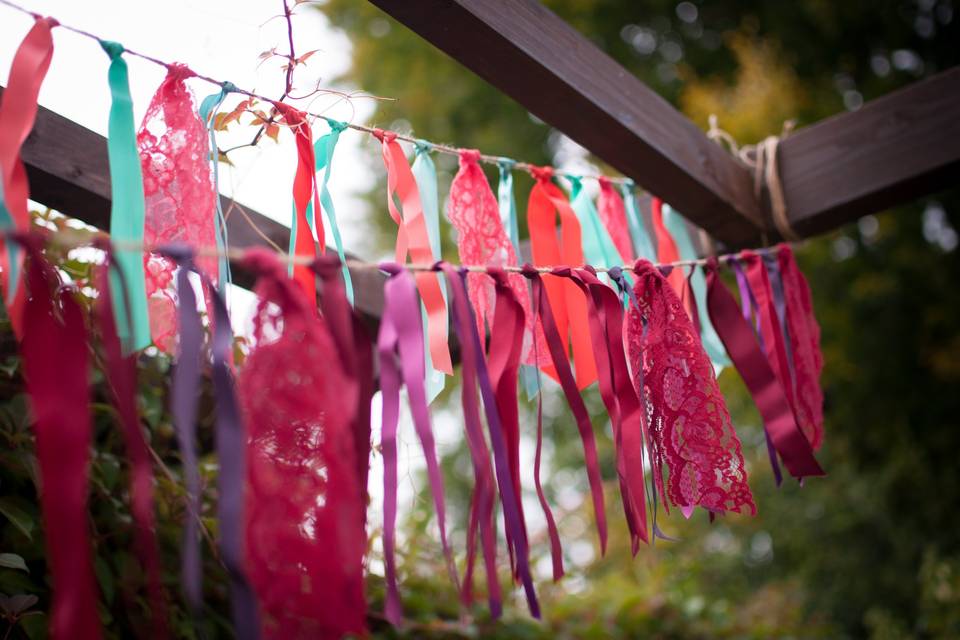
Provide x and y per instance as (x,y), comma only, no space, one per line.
(892,150)
(68,170)
(537,59)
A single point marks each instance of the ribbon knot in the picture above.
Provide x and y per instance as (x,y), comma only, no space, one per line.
(262,261)
(528,271)
(391,268)
(384,136)
(506,164)
(541,174)
(336,125)
(179,252)
(563,271)
(469,156)
(180,71)
(228,87)
(113,49)
(498,274)
(423,146)
(326,265)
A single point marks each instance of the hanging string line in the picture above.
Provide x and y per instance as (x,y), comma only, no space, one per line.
(440,148)
(75,240)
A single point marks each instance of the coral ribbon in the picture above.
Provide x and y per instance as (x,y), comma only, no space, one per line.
(568,306)
(403,202)
(121,376)
(400,345)
(56,370)
(304,199)
(475,371)
(764,387)
(666,247)
(562,366)
(127,209)
(18,110)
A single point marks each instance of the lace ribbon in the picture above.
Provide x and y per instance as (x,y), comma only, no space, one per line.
(688,420)
(18,110)
(568,306)
(127,204)
(56,371)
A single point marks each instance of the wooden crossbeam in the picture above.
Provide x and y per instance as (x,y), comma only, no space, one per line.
(68,170)
(536,58)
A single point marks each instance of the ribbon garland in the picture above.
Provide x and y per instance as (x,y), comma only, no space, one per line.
(568,306)
(403,202)
(127,208)
(18,110)
(425,175)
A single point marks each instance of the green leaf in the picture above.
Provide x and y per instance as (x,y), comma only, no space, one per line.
(13,561)
(105,578)
(17,516)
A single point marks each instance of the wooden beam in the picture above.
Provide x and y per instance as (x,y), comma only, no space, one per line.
(892,150)
(540,61)
(68,170)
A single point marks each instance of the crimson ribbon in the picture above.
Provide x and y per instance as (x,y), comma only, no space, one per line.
(406,209)
(666,246)
(569,386)
(767,392)
(613,214)
(569,308)
(121,375)
(56,370)
(400,345)
(18,111)
(475,373)
(304,192)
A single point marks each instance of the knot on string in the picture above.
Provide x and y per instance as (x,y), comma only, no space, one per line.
(51,22)
(390,268)
(179,252)
(541,174)
(469,156)
(263,261)
(113,49)
(497,273)
(326,265)
(592,269)
(423,146)
(762,159)
(614,272)
(712,264)
(529,271)
(665,270)
(604,182)
(180,71)
(384,136)
(563,271)
(228,87)
(506,164)
(336,125)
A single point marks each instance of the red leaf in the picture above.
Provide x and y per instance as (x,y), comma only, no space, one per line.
(273,131)
(302,59)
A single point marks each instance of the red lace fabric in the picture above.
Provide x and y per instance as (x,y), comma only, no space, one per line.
(613,215)
(805,347)
(178,192)
(688,421)
(304,507)
(473,211)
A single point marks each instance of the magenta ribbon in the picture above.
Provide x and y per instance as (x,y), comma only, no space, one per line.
(400,346)
(475,369)
(568,383)
(230,443)
(767,392)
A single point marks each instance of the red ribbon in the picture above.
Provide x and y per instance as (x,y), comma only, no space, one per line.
(56,369)
(304,192)
(741,345)
(773,340)
(121,375)
(666,246)
(413,239)
(569,385)
(18,111)
(569,308)
(613,214)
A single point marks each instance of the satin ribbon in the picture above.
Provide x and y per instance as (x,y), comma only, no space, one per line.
(474,371)
(208,108)
(780,305)
(620,398)
(230,434)
(425,175)
(121,375)
(598,247)
(305,202)
(323,153)
(403,202)
(18,111)
(641,240)
(568,306)
(613,214)
(567,382)
(666,247)
(56,372)
(764,387)
(698,284)
(400,345)
(127,205)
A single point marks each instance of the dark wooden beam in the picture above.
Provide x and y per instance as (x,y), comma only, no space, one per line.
(892,150)
(68,170)
(540,61)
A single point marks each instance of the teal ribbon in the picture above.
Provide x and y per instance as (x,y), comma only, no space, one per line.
(13,248)
(598,247)
(127,207)
(708,335)
(208,107)
(641,240)
(323,153)
(425,175)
